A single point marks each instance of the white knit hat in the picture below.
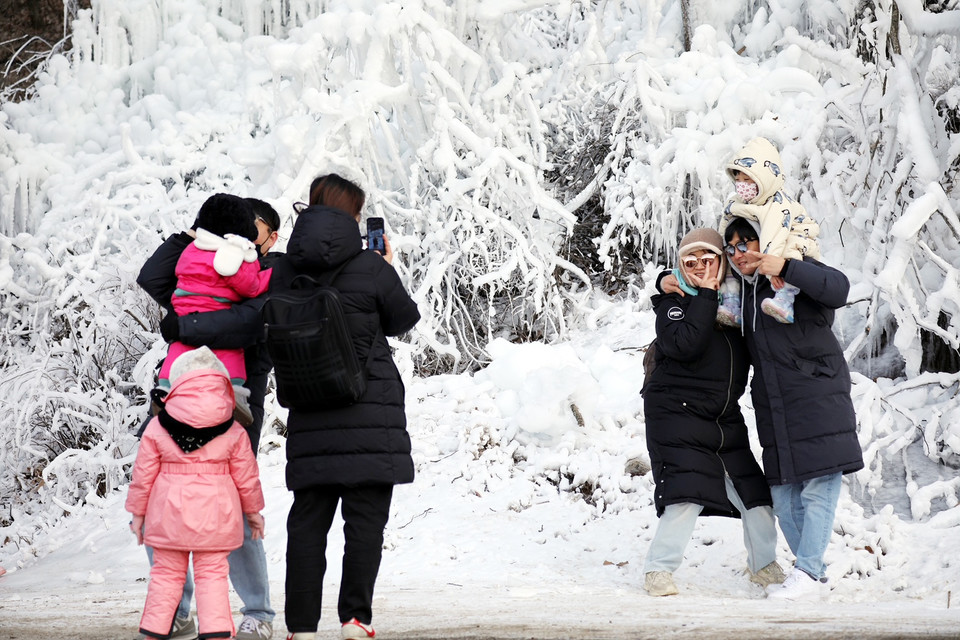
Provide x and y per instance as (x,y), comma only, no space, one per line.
(199,358)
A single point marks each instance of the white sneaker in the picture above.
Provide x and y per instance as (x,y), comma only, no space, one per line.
(660,583)
(252,629)
(356,629)
(799,586)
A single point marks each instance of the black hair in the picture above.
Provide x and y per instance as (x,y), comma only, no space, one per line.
(223,213)
(741,227)
(264,212)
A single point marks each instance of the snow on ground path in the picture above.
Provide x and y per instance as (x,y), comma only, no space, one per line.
(481,546)
(557,611)
(456,569)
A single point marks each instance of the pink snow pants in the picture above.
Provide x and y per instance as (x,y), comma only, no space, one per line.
(169,572)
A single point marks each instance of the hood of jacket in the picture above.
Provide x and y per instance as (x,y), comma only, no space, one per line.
(760,160)
(201,398)
(323,238)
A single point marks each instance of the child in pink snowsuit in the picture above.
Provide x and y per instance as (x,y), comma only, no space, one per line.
(218,268)
(194,478)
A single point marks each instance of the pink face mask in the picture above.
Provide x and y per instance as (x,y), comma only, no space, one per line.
(747,190)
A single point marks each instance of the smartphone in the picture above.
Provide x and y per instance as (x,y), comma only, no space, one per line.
(375,235)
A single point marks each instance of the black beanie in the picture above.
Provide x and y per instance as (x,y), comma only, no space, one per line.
(223,213)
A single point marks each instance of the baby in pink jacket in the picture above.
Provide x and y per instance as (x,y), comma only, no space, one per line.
(218,268)
(194,480)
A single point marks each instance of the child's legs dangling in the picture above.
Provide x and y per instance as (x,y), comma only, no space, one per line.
(729,313)
(780,306)
(242,412)
(210,569)
(167,576)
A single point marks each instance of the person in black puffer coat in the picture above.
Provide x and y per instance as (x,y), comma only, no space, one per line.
(801,393)
(696,435)
(356,454)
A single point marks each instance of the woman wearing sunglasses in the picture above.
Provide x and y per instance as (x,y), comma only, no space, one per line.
(696,434)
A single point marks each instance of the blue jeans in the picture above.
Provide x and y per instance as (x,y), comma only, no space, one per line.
(805,511)
(676,526)
(248,574)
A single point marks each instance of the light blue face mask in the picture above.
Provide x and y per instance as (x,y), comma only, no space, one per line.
(683,283)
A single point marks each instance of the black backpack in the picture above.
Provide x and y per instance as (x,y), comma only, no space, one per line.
(307,337)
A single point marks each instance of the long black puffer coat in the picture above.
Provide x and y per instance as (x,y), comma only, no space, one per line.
(801,382)
(696,433)
(367,442)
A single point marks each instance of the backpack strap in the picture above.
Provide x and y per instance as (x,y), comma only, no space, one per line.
(329,282)
(334,273)
(326,279)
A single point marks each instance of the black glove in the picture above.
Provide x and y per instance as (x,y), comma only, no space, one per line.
(170,327)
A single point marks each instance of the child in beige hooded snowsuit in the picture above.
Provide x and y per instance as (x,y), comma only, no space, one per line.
(785,228)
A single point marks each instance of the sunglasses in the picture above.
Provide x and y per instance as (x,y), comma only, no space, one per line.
(706,260)
(731,249)
(266,224)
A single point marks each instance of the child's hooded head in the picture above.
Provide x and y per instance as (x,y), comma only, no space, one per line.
(223,213)
(759,161)
(201,394)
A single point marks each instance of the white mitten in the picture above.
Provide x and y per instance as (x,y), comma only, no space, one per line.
(231,251)
(249,248)
(234,252)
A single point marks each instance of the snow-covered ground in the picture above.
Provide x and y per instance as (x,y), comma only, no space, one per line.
(494,540)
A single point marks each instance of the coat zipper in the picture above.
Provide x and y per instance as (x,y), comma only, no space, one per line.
(725,404)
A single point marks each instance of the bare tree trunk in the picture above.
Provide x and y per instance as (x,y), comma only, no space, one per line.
(36,18)
(687,29)
(893,38)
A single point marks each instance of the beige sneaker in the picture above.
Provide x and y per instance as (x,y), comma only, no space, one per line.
(252,629)
(770,574)
(660,583)
(183,629)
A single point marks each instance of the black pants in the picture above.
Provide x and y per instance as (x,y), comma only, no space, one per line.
(365,511)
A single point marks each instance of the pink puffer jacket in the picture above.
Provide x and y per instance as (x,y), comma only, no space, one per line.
(195,501)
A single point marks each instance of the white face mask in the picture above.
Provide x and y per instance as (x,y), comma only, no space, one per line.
(747,190)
